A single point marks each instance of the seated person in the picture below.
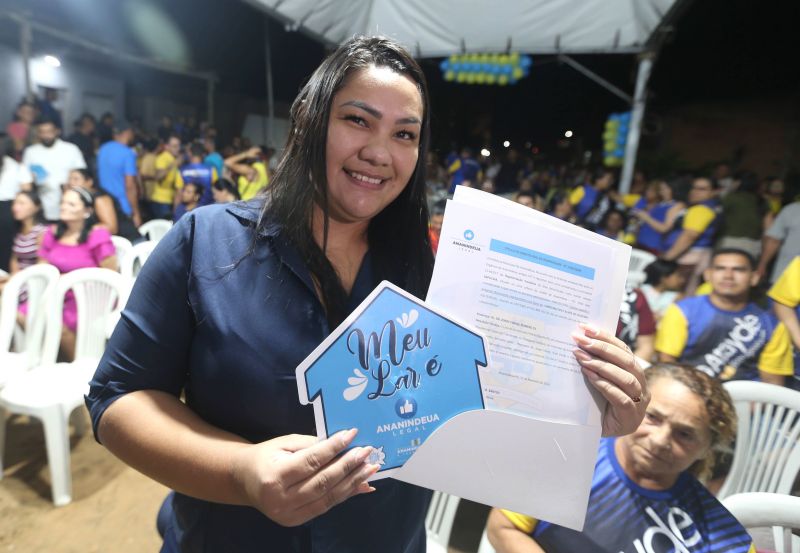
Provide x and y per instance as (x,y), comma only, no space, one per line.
(724,334)
(662,286)
(190,196)
(224,191)
(106,207)
(646,494)
(76,242)
(636,325)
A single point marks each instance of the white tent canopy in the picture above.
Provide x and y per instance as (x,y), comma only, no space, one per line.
(439,28)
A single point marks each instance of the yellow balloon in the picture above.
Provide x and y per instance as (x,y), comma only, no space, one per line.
(514,58)
(453,58)
(517,73)
(449,76)
(502,80)
(491,78)
(471,78)
(461,76)
(480,78)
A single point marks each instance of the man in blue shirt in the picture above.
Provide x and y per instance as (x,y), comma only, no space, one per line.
(213,157)
(116,169)
(199,173)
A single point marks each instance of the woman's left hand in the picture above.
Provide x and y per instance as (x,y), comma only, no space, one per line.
(609,364)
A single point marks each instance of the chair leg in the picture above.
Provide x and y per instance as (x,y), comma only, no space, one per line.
(3,416)
(56,435)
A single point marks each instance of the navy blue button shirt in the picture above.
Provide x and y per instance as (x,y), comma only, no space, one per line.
(227,317)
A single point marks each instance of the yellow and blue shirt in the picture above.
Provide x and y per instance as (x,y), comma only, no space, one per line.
(623,517)
(725,344)
(701,218)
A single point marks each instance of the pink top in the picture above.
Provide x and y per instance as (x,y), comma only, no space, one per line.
(66,258)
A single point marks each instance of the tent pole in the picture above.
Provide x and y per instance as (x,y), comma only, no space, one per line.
(25,40)
(585,71)
(270,93)
(635,128)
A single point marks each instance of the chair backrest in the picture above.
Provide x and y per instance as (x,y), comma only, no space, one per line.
(97,294)
(766,457)
(439,520)
(123,247)
(639,260)
(769,510)
(156,229)
(133,263)
(38,282)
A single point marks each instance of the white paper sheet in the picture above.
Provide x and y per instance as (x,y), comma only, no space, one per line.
(525,280)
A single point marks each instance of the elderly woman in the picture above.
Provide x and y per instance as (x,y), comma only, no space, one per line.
(646,495)
(237,295)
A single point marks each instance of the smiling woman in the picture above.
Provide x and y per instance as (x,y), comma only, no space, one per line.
(645,493)
(237,295)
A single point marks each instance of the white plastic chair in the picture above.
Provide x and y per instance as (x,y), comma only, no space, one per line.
(133,263)
(769,510)
(635,279)
(50,392)
(639,260)
(156,229)
(767,453)
(123,247)
(439,521)
(38,281)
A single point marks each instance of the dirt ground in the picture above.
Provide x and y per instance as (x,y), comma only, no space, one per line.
(113,507)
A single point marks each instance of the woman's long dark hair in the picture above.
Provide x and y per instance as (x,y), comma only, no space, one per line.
(398,236)
(88,223)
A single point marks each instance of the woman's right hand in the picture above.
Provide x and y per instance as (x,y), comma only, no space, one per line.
(295,478)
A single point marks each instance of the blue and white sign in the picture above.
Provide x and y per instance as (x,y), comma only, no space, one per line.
(396,369)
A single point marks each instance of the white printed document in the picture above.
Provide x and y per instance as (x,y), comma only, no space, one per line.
(524,280)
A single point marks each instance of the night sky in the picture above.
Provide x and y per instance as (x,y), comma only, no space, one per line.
(720,50)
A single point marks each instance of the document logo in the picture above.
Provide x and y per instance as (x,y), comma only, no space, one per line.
(405,407)
(468,234)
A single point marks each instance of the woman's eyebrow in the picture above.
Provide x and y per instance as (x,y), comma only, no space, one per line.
(378,115)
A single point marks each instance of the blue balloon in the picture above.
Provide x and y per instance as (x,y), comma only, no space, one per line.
(507,69)
(625,116)
(496,69)
(619,152)
(621,138)
(444,65)
(456,67)
(525,61)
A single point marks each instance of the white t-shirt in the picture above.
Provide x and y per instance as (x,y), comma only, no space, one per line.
(786,228)
(51,167)
(12,175)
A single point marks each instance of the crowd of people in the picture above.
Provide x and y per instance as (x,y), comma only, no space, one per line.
(132,176)
(235,298)
(717,294)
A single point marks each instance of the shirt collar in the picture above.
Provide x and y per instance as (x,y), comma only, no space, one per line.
(250,212)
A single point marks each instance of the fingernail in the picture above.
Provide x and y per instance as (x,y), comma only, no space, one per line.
(581,340)
(348,435)
(363,454)
(365,488)
(581,355)
(589,329)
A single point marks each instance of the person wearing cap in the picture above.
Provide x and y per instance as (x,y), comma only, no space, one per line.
(116,169)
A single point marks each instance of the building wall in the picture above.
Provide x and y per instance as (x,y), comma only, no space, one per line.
(81,87)
(761,135)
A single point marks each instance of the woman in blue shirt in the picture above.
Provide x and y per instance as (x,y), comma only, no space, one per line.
(237,295)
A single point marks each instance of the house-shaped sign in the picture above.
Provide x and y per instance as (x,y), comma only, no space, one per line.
(396,369)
